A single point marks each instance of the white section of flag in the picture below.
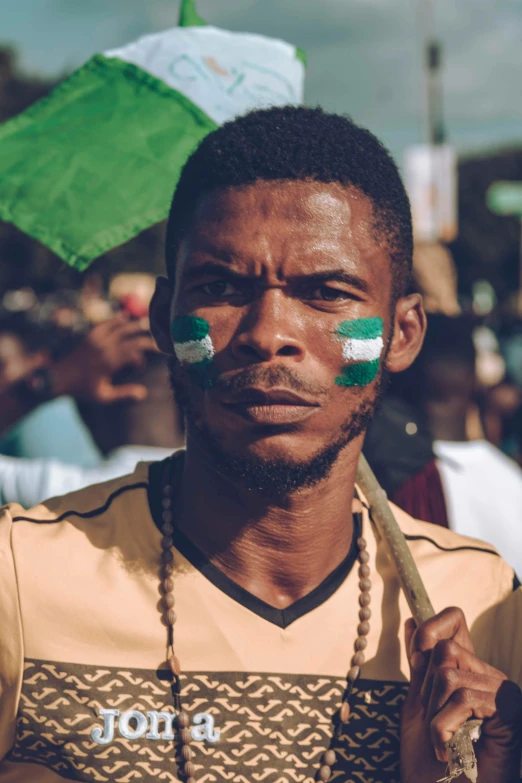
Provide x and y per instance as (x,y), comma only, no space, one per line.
(194,351)
(225,74)
(362,350)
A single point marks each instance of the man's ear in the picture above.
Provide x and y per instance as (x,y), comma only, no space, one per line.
(408,333)
(160,315)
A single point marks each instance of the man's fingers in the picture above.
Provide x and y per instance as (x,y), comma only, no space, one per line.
(449,654)
(128,328)
(448,624)
(463,704)
(448,680)
(108,393)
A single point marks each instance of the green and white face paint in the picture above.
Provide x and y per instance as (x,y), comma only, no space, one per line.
(362,346)
(193,348)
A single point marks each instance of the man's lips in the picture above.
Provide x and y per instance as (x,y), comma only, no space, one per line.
(269,406)
(255,395)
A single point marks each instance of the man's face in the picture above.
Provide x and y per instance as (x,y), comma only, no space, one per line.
(274,269)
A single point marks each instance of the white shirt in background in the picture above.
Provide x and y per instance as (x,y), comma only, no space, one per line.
(30,481)
(483,491)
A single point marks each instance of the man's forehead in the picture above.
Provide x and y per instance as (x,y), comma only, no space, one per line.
(312,216)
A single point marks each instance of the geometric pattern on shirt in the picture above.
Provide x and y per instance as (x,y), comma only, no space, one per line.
(274,727)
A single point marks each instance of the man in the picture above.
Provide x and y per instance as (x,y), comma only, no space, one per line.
(288,253)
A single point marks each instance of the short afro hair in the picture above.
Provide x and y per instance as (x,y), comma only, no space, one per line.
(298,143)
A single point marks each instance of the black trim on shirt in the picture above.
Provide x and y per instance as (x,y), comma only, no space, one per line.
(451,548)
(516,582)
(280,617)
(86,514)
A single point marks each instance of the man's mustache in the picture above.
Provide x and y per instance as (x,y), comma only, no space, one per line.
(276,376)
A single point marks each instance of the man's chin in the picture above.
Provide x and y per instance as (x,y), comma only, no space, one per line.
(276,465)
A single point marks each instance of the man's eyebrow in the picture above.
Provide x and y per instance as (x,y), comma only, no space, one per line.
(335,275)
(314,278)
(213,268)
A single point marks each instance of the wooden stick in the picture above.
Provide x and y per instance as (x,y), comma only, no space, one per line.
(461,754)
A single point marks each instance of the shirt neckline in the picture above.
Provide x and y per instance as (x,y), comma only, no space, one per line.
(282,618)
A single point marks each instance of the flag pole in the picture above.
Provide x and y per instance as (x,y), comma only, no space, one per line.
(461,754)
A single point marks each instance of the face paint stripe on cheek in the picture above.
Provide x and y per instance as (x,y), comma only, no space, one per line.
(362,346)
(194,348)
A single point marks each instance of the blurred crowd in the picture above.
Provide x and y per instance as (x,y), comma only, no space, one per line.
(85,395)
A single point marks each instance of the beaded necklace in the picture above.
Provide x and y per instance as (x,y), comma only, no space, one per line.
(169,618)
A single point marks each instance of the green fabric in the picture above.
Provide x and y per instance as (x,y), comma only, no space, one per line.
(187,328)
(188,15)
(358,374)
(360,329)
(96,161)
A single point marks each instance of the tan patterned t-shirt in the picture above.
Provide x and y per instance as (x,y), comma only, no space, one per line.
(83,691)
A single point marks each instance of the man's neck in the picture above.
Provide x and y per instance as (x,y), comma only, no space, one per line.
(278,550)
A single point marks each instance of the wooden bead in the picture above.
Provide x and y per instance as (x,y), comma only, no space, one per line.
(167,585)
(187,753)
(364,557)
(365,599)
(167,517)
(189,769)
(364,571)
(329,758)
(344,712)
(365,585)
(169,617)
(175,667)
(365,613)
(166,542)
(167,569)
(361,643)
(167,529)
(358,659)
(168,600)
(361,543)
(363,629)
(185,736)
(353,673)
(183,720)
(325,773)
(167,557)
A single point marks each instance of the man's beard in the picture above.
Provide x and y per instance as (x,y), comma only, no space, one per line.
(277,477)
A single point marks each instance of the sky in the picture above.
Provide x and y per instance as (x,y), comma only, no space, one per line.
(364,56)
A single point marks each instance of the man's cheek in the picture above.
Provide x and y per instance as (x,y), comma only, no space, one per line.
(362,346)
(194,349)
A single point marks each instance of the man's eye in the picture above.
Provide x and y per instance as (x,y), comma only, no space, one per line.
(219,289)
(329,294)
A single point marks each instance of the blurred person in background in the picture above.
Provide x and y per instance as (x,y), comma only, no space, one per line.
(127,432)
(38,413)
(398,443)
(482,487)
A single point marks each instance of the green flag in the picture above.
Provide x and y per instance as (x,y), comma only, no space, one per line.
(96,161)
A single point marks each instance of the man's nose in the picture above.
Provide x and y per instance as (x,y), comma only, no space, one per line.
(268,330)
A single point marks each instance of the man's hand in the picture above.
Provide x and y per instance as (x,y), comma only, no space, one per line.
(448,685)
(87,372)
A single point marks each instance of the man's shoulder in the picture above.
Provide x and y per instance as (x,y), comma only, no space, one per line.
(458,570)
(423,536)
(88,503)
